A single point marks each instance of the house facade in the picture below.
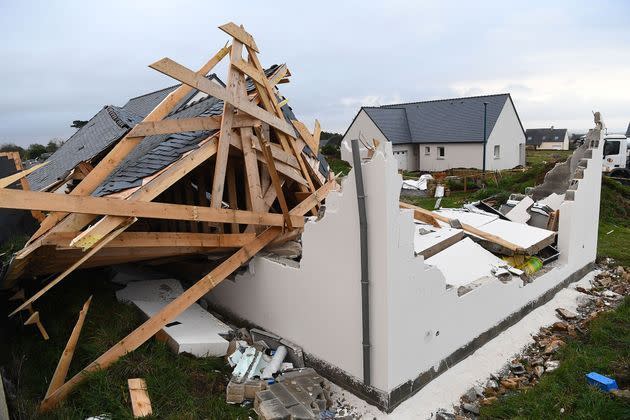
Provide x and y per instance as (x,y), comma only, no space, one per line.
(548,138)
(445,134)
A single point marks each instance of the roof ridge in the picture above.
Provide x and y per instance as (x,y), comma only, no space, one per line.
(439,100)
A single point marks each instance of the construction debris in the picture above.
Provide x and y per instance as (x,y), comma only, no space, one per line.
(210,168)
(140,402)
(540,357)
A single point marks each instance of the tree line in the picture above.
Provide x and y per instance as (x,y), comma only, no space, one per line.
(36,150)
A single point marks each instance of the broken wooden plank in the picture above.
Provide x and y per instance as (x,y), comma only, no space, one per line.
(468,228)
(140,402)
(154,324)
(188,77)
(420,215)
(240,34)
(160,239)
(74,266)
(27,200)
(180,125)
(8,180)
(34,319)
(61,371)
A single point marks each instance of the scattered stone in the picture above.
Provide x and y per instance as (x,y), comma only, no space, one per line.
(471,408)
(517,369)
(560,326)
(566,314)
(492,384)
(551,365)
(510,383)
(621,393)
(553,346)
(488,401)
(443,415)
(470,395)
(538,371)
(538,361)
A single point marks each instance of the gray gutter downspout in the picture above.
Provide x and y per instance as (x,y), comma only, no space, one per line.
(363,230)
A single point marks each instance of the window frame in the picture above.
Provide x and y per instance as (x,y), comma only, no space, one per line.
(441,156)
(497,151)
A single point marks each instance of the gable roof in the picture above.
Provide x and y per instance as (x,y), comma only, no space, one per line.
(536,136)
(456,120)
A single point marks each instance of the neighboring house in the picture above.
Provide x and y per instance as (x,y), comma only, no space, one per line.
(448,133)
(548,138)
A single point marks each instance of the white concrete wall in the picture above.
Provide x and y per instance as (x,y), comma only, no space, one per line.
(416,321)
(363,127)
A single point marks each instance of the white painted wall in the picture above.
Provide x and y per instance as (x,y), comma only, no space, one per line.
(406,155)
(508,135)
(556,145)
(364,128)
(459,155)
(416,321)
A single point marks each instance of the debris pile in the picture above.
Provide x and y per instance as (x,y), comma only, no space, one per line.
(200,168)
(607,291)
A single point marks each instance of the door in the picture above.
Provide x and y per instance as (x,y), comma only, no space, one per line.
(402,157)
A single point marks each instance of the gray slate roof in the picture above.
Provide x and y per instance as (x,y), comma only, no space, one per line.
(457,120)
(536,136)
(151,155)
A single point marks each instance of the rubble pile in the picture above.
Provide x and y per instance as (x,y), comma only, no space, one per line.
(607,292)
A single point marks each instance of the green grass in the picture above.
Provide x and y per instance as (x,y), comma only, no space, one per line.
(539,156)
(180,387)
(605,349)
(614,222)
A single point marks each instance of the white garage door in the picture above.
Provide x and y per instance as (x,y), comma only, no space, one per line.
(402,156)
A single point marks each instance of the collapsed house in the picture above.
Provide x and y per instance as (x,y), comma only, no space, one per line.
(436,292)
(381,296)
(198,168)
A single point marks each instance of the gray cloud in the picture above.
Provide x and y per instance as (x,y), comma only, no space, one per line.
(64,61)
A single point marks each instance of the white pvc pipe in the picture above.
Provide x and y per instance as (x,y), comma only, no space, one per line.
(275,363)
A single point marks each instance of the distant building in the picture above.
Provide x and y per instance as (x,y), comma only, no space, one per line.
(444,134)
(548,138)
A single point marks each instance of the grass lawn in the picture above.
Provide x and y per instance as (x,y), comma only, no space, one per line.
(605,349)
(180,387)
(533,157)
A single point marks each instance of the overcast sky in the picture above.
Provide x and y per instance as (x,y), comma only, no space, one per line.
(560,60)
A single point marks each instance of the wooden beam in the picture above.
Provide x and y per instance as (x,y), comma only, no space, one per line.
(468,228)
(306,135)
(317,132)
(202,198)
(421,216)
(240,34)
(160,240)
(73,267)
(251,170)
(140,402)
(220,165)
(61,371)
(249,70)
(275,179)
(126,145)
(8,180)
(154,324)
(187,76)
(232,195)
(180,125)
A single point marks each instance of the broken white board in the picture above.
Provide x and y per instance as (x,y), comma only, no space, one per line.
(553,201)
(466,217)
(465,262)
(428,240)
(194,331)
(519,213)
(530,238)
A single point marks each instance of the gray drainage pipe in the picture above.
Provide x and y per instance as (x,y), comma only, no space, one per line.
(363,229)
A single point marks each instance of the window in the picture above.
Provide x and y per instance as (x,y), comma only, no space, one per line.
(557,138)
(611,147)
(427,150)
(441,152)
(497,152)
(529,138)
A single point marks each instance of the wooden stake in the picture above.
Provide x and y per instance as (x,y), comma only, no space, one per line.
(34,319)
(61,371)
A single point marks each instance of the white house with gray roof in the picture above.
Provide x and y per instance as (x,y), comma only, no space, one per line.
(445,134)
